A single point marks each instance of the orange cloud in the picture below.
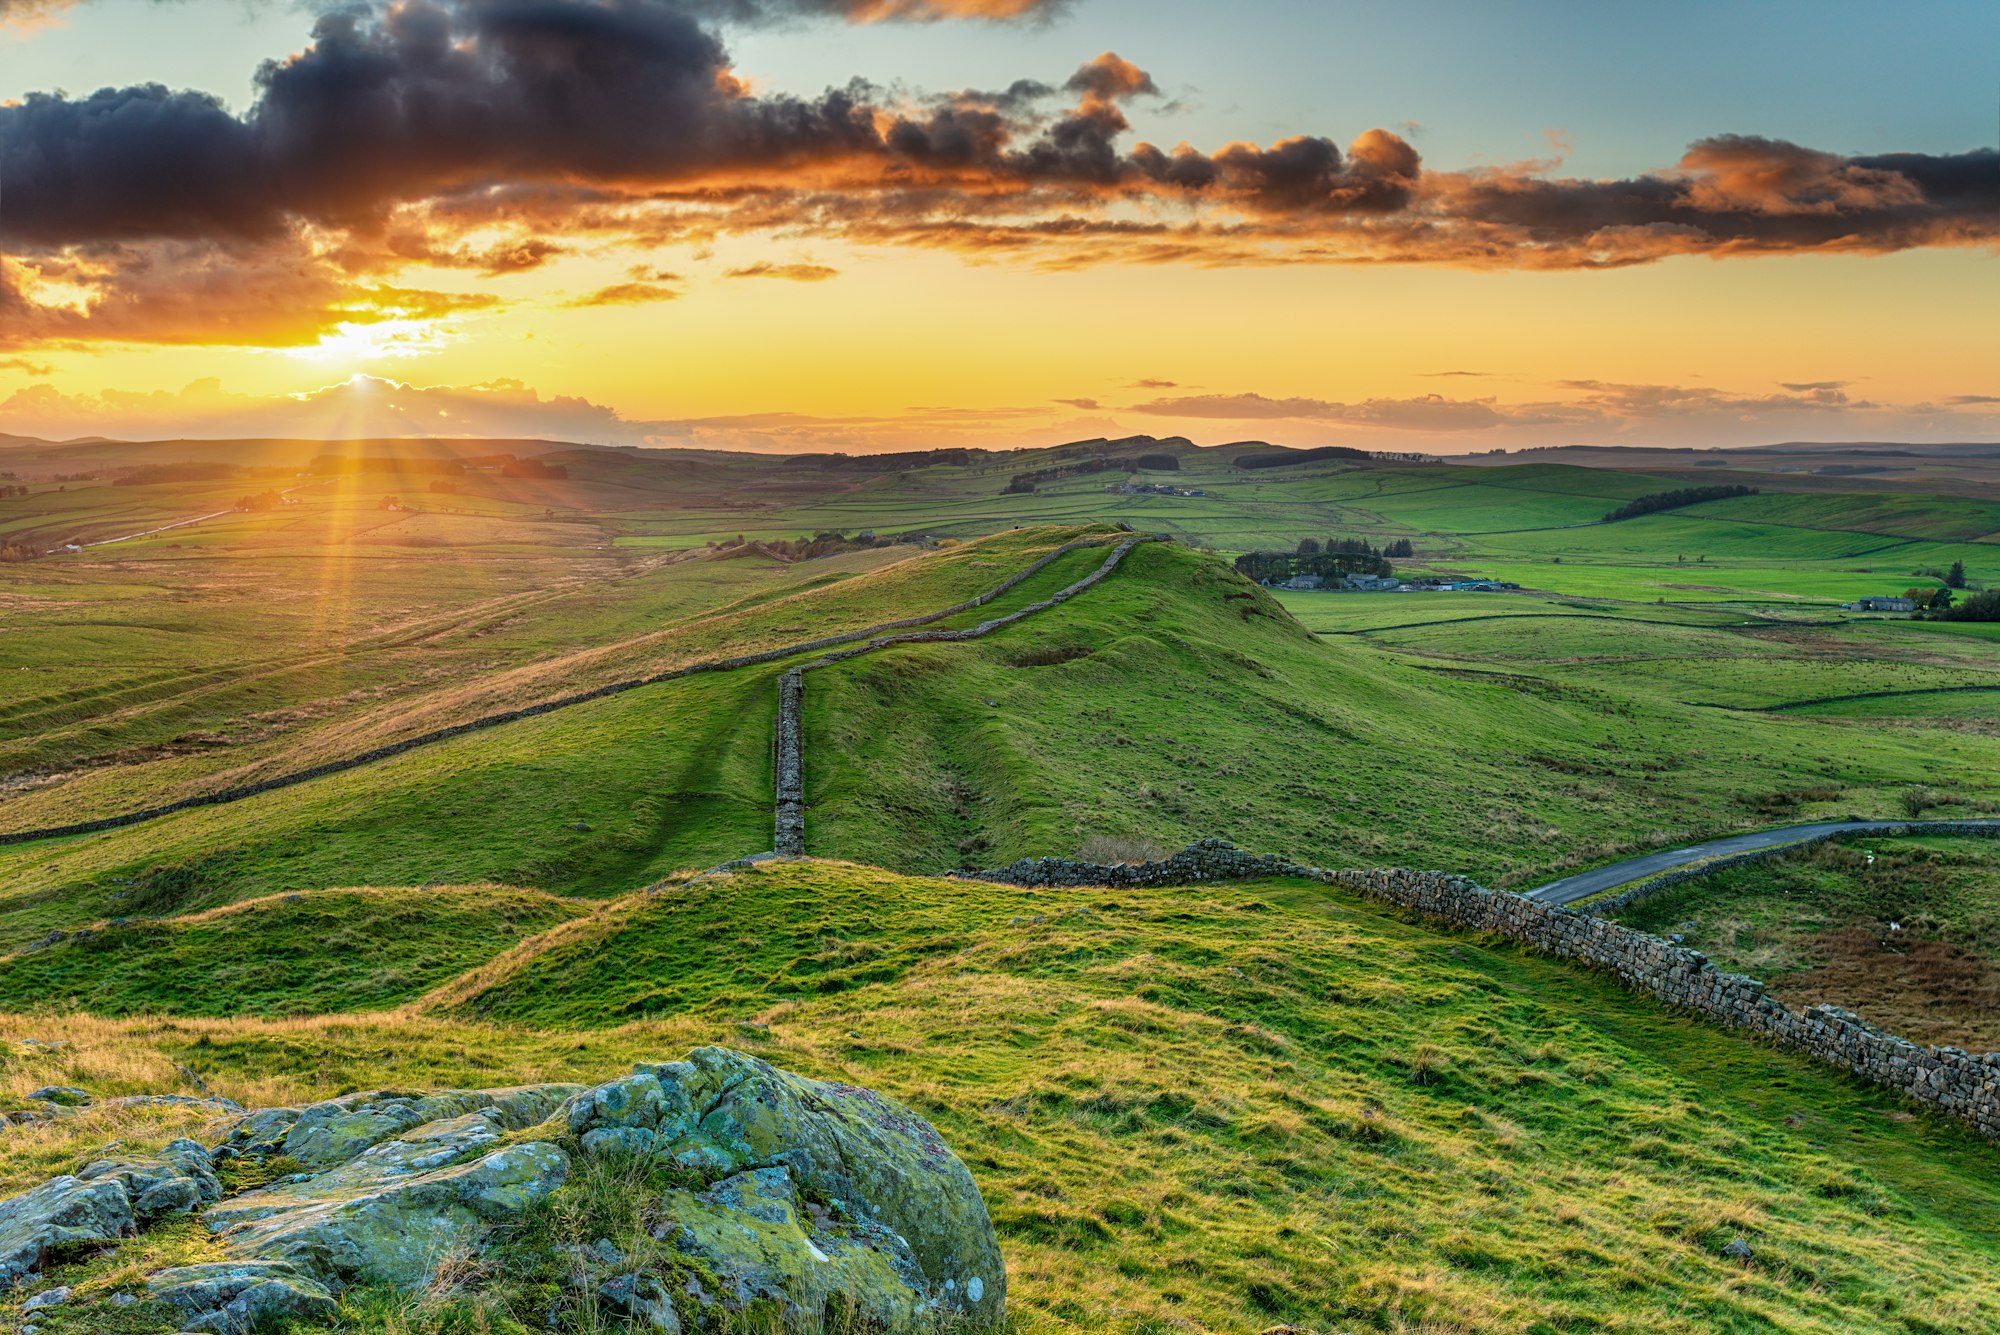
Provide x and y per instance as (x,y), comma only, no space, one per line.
(797,273)
(626,294)
(395,136)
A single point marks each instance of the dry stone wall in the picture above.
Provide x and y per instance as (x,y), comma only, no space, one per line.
(789,836)
(242,791)
(1962,1084)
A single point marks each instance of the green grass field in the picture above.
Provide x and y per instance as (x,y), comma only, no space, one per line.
(1817,925)
(1271,1103)
(1198,1108)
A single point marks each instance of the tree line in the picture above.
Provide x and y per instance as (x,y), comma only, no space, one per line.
(1330,559)
(1674,500)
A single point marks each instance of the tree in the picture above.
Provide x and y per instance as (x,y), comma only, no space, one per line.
(1979,607)
(1308,546)
(1955,577)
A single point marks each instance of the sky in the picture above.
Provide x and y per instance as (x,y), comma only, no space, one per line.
(864,225)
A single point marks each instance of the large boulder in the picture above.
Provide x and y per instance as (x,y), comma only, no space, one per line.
(722,1113)
(107,1199)
(758,1195)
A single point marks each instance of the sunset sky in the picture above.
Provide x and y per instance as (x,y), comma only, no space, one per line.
(891,224)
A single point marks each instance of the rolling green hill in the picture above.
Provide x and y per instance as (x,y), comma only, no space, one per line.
(1268,1102)
(1209,1108)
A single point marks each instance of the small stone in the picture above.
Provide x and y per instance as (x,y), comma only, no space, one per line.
(640,1299)
(47,1298)
(67,1095)
(1738,1250)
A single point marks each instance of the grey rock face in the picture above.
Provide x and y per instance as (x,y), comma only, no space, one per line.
(640,1300)
(234,1298)
(765,1187)
(109,1199)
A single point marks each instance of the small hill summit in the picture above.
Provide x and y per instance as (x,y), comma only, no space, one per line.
(712,1192)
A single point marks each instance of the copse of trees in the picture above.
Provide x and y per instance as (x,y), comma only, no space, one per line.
(1329,559)
(1933,598)
(1979,607)
(263,500)
(1674,500)
(1159,463)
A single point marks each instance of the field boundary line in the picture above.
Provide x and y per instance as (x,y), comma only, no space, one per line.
(789,765)
(239,793)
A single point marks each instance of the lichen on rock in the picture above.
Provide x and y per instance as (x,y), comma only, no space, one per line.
(760,1194)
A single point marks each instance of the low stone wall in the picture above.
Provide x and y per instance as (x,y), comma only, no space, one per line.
(1652,885)
(242,791)
(789,836)
(1952,1081)
(1204,860)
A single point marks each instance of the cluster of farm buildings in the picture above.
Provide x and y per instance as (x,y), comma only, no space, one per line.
(1151,489)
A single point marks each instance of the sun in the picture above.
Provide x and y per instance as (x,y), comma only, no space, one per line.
(377,340)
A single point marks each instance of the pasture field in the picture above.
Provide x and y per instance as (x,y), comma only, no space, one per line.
(1271,1103)
(1214,1108)
(1906,932)
(1173,701)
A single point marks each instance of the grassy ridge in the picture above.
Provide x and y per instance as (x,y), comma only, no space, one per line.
(1271,1102)
(1200,708)
(293,954)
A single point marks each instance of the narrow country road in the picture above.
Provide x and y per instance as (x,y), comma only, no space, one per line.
(1586,883)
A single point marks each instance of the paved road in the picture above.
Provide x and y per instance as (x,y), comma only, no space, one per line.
(1586,883)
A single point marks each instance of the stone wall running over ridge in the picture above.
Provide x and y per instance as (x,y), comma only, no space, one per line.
(1965,1085)
(789,837)
(237,794)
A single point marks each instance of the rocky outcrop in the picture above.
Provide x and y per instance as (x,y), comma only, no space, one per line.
(765,1195)
(840,1182)
(103,1201)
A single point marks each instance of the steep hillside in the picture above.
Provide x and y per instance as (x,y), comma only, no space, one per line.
(1224,1109)
(1179,700)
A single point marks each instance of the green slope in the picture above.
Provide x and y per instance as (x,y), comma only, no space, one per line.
(1220,1109)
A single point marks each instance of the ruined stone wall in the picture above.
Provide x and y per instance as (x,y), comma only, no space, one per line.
(789,836)
(369,757)
(1964,1085)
